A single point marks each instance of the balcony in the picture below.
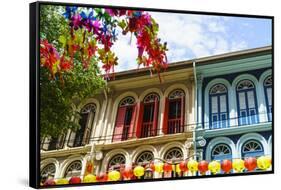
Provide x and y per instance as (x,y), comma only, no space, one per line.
(239,125)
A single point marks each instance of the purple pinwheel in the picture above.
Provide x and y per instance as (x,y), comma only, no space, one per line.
(76,21)
(87,21)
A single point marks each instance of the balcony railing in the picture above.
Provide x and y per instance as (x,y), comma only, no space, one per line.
(147,130)
(174,126)
(239,121)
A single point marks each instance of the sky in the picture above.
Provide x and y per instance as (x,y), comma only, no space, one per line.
(192,36)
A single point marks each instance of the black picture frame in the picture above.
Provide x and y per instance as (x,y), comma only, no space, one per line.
(34,91)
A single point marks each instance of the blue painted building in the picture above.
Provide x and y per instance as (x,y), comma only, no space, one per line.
(234,105)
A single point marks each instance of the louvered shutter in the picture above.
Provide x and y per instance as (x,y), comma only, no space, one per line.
(119,124)
(155,117)
(182,111)
(166,115)
(132,123)
(139,120)
(46,143)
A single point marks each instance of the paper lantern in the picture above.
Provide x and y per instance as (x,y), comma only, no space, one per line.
(62,181)
(183,166)
(127,173)
(114,175)
(159,167)
(264,162)
(178,170)
(214,167)
(139,171)
(226,166)
(49,182)
(74,180)
(192,165)
(90,178)
(152,166)
(238,165)
(250,163)
(203,166)
(167,167)
(102,177)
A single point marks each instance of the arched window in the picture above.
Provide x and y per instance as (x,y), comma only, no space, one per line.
(53,143)
(125,120)
(148,116)
(252,148)
(145,158)
(116,162)
(48,172)
(82,136)
(174,112)
(74,169)
(221,152)
(173,155)
(247,103)
(218,107)
(268,96)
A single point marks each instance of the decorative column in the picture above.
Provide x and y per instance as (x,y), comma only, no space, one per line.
(199,102)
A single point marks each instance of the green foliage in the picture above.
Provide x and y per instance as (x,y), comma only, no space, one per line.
(52,23)
(58,93)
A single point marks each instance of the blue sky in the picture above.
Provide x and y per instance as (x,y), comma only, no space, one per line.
(194,36)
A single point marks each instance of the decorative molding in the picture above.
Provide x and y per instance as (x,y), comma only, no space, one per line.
(238,130)
(252,136)
(220,140)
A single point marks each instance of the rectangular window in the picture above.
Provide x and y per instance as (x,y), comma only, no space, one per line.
(223,103)
(175,109)
(242,101)
(215,104)
(80,133)
(251,99)
(269,103)
(243,117)
(269,100)
(148,113)
(214,121)
(253,116)
(270,113)
(223,120)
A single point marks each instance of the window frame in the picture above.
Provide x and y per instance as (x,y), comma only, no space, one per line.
(268,107)
(248,119)
(219,121)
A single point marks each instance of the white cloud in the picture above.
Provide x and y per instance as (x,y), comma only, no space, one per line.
(188,36)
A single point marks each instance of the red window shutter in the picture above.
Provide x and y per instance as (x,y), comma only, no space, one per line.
(155,117)
(166,115)
(139,120)
(119,124)
(133,121)
(182,111)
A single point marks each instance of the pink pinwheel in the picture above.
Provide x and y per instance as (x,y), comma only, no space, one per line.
(76,21)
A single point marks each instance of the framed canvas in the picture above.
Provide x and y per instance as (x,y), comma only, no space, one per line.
(131,94)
